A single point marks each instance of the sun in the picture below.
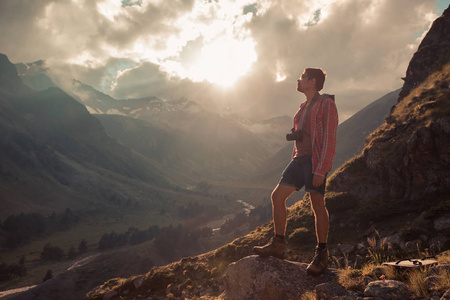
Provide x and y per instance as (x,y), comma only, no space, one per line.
(223,61)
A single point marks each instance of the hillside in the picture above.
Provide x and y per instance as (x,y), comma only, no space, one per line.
(398,186)
(53,152)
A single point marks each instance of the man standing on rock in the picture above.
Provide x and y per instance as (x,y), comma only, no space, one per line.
(314,133)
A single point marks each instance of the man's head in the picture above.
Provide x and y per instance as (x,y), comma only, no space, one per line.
(311,78)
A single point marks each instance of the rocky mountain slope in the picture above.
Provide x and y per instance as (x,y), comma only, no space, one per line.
(398,185)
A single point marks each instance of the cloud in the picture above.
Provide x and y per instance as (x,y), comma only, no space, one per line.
(145,48)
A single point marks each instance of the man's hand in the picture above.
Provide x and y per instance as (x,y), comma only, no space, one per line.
(317,180)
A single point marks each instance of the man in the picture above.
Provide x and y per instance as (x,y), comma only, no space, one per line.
(314,132)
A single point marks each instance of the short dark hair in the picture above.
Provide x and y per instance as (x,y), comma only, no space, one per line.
(318,74)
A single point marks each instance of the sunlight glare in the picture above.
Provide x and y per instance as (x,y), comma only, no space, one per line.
(224,61)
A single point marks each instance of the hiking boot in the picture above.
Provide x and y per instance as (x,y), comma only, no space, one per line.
(319,262)
(275,247)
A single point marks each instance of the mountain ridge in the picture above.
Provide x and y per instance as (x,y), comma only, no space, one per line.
(47,135)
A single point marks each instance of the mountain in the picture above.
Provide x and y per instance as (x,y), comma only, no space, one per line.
(215,146)
(99,103)
(34,75)
(396,192)
(54,154)
(351,135)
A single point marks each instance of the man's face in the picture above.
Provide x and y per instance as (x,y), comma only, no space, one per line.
(304,83)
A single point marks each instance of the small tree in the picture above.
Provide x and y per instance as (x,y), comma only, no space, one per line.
(82,247)
(72,253)
(51,252)
(47,276)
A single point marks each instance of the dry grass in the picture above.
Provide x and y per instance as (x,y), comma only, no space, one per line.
(428,101)
(308,296)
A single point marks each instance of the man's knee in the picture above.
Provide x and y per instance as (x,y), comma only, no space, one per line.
(318,203)
(281,193)
(276,198)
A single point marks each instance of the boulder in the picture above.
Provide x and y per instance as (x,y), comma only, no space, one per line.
(387,289)
(254,277)
(326,291)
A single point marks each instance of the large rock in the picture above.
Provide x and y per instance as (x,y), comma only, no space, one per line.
(387,289)
(254,277)
(327,291)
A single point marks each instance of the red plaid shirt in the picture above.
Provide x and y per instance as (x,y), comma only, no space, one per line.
(324,122)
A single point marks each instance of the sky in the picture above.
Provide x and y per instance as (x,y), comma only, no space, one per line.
(231,56)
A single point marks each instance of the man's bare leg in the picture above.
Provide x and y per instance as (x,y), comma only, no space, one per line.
(277,245)
(279,196)
(321,216)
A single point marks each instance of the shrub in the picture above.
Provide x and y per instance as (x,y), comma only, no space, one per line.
(51,252)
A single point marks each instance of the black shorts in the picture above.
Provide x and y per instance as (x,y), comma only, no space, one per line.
(299,174)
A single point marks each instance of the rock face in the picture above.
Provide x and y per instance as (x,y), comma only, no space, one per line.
(270,278)
(431,55)
(407,160)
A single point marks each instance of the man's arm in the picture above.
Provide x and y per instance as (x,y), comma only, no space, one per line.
(328,139)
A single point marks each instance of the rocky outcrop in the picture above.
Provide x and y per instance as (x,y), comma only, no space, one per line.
(431,55)
(407,159)
(270,278)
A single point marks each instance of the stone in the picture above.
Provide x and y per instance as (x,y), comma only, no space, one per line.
(138,282)
(254,277)
(326,291)
(387,289)
(109,295)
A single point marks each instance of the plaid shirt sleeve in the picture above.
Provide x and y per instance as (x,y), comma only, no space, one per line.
(327,138)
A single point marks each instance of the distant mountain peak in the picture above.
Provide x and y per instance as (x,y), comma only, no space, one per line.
(10,81)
